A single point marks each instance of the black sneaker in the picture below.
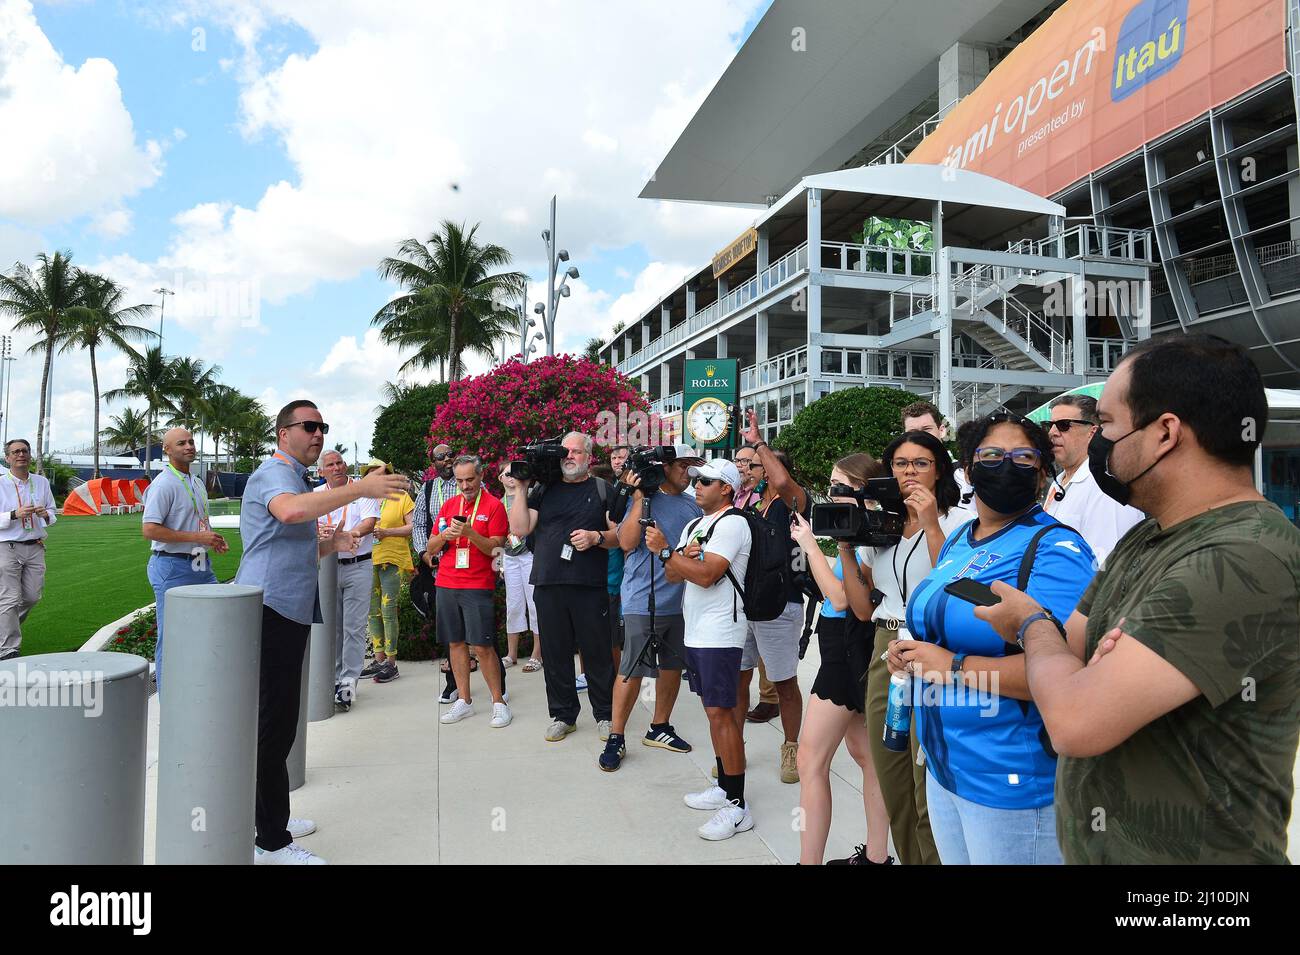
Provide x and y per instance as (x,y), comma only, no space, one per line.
(666,738)
(612,758)
(387,673)
(371,669)
(342,702)
(449,695)
(859,857)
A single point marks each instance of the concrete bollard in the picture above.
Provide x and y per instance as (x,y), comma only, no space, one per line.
(207,737)
(297,761)
(73,730)
(320,704)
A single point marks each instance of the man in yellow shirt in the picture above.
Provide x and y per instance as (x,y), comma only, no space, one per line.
(390,559)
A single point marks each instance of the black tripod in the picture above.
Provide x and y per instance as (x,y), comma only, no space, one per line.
(649,656)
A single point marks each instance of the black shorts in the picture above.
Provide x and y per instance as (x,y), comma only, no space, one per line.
(845,646)
(713,674)
(466,616)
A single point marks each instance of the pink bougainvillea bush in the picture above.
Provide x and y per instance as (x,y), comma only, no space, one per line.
(494,414)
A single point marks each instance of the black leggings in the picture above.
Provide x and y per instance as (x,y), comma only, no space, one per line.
(570,619)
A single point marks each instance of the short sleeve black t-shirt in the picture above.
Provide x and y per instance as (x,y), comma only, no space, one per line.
(565,508)
(779,515)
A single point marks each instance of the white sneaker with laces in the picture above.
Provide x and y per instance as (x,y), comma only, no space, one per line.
(300,827)
(292,854)
(712,799)
(726,822)
(500,716)
(459,711)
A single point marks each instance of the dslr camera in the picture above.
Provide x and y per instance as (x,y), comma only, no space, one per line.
(648,463)
(879,526)
(541,463)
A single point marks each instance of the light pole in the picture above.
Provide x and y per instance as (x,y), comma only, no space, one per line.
(6,373)
(162,294)
(554,259)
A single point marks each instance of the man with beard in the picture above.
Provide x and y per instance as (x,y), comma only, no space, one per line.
(570,575)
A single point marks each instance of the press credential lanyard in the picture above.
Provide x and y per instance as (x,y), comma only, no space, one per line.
(462,551)
(200,512)
(28,523)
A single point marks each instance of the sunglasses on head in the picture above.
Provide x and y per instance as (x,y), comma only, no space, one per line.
(1065,424)
(311,427)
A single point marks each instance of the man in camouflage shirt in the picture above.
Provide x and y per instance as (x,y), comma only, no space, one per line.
(1178,738)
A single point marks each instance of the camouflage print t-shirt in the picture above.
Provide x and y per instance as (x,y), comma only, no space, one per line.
(1218,596)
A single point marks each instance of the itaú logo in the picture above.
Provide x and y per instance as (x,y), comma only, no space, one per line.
(1151,42)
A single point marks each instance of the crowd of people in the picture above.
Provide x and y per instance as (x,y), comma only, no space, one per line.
(1080,642)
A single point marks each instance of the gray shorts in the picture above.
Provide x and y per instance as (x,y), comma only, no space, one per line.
(777,642)
(466,616)
(671,629)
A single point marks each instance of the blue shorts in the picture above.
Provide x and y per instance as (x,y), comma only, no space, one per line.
(713,674)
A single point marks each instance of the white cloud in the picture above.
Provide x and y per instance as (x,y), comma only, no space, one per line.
(78,150)
(112,224)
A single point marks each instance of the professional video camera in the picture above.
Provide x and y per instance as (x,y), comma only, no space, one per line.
(858,523)
(541,463)
(648,463)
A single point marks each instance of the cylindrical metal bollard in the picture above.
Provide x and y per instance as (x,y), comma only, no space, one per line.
(320,704)
(207,737)
(297,761)
(73,730)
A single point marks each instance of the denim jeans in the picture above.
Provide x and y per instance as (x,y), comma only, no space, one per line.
(967,833)
(164,574)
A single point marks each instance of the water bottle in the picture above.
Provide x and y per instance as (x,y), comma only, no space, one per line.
(898,713)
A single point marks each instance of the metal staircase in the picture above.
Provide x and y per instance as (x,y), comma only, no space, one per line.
(1007,328)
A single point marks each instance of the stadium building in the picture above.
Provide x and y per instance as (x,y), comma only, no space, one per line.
(988,202)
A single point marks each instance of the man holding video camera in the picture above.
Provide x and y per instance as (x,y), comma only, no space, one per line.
(652,607)
(568,511)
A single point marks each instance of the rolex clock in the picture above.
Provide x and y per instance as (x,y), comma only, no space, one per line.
(708,420)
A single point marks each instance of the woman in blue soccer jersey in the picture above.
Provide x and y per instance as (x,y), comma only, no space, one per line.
(991,769)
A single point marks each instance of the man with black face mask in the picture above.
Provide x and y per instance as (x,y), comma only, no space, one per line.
(1178,737)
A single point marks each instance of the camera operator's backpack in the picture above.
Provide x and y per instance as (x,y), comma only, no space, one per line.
(767,575)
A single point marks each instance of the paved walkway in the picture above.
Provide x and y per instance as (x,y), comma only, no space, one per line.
(388,783)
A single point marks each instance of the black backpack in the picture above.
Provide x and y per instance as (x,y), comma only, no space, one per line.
(767,575)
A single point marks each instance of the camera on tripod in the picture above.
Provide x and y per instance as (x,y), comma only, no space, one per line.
(859,524)
(541,463)
(648,464)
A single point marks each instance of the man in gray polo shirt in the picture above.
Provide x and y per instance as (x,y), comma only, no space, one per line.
(277,522)
(175,519)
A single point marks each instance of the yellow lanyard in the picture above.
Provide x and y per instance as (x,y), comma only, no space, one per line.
(478,497)
(201,512)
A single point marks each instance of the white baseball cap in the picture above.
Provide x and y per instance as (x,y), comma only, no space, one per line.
(719,469)
(686,452)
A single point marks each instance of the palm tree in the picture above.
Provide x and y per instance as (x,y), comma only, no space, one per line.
(254,430)
(190,389)
(101,321)
(593,347)
(39,300)
(127,431)
(152,376)
(449,303)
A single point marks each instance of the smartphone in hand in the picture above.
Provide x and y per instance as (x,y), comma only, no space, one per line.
(972,591)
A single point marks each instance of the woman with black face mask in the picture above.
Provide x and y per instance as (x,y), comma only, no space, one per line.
(990,780)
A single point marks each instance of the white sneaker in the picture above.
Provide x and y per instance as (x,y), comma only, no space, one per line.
(713,798)
(602,729)
(581,682)
(300,827)
(459,711)
(500,716)
(292,854)
(726,822)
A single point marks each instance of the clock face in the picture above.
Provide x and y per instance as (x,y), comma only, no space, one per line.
(708,421)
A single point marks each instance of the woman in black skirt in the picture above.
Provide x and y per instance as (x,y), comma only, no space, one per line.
(837,701)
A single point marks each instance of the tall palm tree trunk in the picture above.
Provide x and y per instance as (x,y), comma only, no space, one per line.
(453,344)
(94,384)
(40,422)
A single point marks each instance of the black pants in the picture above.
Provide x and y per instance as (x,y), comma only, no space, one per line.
(571,619)
(283,643)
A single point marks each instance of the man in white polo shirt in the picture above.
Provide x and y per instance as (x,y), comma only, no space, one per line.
(709,553)
(175,521)
(355,582)
(26,509)
(1074,498)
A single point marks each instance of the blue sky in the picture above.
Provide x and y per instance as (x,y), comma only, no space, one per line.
(269,153)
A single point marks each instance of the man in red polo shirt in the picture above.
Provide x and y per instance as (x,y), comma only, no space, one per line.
(471,527)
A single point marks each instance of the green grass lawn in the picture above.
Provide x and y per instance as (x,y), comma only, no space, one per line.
(95,573)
